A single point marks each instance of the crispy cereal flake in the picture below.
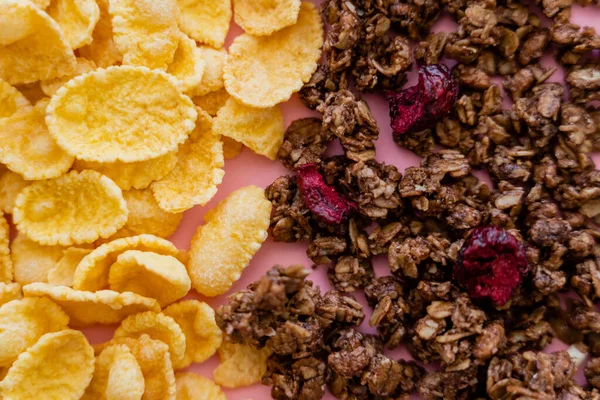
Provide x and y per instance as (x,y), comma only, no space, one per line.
(212,80)
(187,65)
(145,216)
(64,270)
(241,365)
(60,365)
(191,386)
(206,21)
(11,100)
(103,116)
(11,185)
(32,91)
(9,292)
(83,67)
(233,233)
(231,148)
(32,261)
(78,207)
(263,17)
(103,50)
(76,18)
(212,102)
(6,265)
(263,71)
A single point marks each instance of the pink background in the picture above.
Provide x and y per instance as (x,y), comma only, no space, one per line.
(251,169)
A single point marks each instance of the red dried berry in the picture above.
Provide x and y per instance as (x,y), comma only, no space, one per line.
(491,264)
(322,200)
(421,106)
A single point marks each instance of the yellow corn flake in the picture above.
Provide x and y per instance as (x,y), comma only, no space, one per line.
(11,100)
(32,46)
(163,278)
(6,265)
(9,292)
(231,148)
(104,116)
(41,4)
(159,327)
(64,270)
(233,233)
(93,271)
(23,322)
(212,102)
(11,185)
(198,172)
(145,31)
(262,71)
(103,51)
(90,308)
(241,365)
(78,207)
(187,65)
(191,386)
(197,321)
(27,148)
(83,67)
(145,216)
(59,366)
(76,18)
(260,129)
(117,376)
(212,80)
(32,91)
(206,21)
(263,17)
(32,261)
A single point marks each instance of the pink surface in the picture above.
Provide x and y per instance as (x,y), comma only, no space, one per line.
(250,168)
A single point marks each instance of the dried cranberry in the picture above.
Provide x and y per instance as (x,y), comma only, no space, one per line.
(491,264)
(421,106)
(322,200)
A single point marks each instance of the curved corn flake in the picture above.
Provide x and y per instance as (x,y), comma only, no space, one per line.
(145,216)
(197,321)
(83,66)
(90,308)
(145,31)
(41,4)
(32,261)
(260,129)
(206,21)
(59,366)
(231,148)
(27,148)
(233,233)
(64,270)
(263,17)
(137,175)
(159,327)
(93,271)
(117,376)
(163,278)
(212,80)
(198,172)
(212,102)
(103,51)
(11,100)
(241,365)
(9,292)
(262,71)
(76,18)
(191,386)
(103,116)
(78,207)
(32,91)
(6,265)
(23,322)
(11,185)
(187,65)
(32,46)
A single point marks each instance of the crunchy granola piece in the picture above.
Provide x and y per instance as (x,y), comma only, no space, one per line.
(420,143)
(528,330)
(305,142)
(350,273)
(293,380)
(472,77)
(291,219)
(339,309)
(298,339)
(414,17)
(353,353)
(534,45)
(323,81)
(586,280)
(388,378)
(432,48)
(524,79)
(592,372)
(385,295)
(584,82)
(540,111)
(322,250)
(511,164)
(449,385)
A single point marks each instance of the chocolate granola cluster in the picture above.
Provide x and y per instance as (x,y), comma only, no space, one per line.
(475,272)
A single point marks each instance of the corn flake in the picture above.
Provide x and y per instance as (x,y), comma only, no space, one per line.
(263,17)
(23,322)
(87,308)
(76,18)
(262,71)
(197,321)
(32,91)
(206,21)
(64,270)
(93,271)
(103,116)
(145,216)
(9,292)
(83,66)
(6,265)
(163,278)
(212,80)
(231,148)
(117,376)
(188,64)
(145,31)
(159,327)
(11,185)
(41,4)
(11,100)
(27,148)
(198,172)
(78,207)
(32,261)
(103,51)
(212,102)
(233,233)
(191,386)
(260,129)
(241,365)
(32,46)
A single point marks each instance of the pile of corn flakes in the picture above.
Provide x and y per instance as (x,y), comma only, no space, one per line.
(116,116)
